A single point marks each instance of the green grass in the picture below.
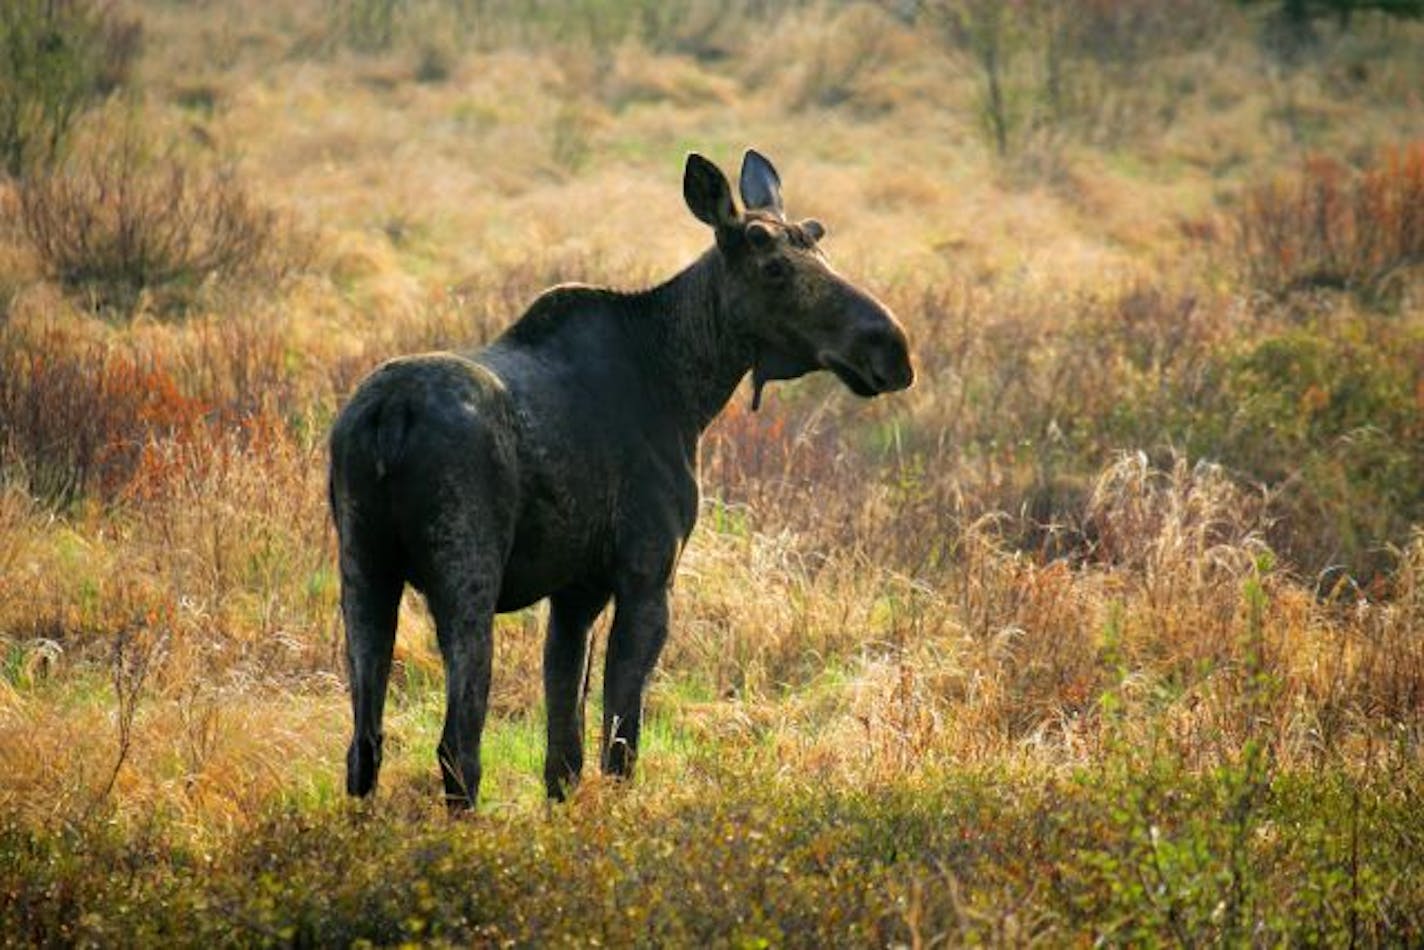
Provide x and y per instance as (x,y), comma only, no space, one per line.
(1035,652)
(737,854)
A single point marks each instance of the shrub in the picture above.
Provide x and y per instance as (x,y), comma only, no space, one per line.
(1330,422)
(843,56)
(56,58)
(366,25)
(76,416)
(1329,227)
(1078,66)
(702,29)
(79,413)
(117,223)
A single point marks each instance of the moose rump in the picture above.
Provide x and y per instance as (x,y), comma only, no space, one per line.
(560,461)
(424,491)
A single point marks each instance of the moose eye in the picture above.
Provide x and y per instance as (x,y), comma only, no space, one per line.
(776,270)
(759,236)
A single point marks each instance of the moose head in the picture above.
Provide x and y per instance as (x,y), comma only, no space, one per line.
(782,290)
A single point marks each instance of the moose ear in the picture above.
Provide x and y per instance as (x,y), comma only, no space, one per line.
(760,184)
(707,193)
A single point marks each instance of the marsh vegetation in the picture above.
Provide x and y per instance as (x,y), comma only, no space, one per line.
(1112,627)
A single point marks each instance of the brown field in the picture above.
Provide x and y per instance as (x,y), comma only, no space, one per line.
(1111,628)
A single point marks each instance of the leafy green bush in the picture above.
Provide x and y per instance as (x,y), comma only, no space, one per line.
(1139,855)
(1328,419)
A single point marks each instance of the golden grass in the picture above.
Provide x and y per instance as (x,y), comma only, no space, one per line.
(1016,568)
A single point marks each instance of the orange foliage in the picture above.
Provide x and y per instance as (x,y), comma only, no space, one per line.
(83,416)
(1331,227)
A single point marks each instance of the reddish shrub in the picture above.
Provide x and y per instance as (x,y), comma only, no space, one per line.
(1330,227)
(75,418)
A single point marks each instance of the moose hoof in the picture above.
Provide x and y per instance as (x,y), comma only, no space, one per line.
(363,761)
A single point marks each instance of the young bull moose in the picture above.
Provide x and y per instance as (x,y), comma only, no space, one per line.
(560,461)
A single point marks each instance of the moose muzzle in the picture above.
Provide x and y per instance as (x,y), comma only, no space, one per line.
(874,356)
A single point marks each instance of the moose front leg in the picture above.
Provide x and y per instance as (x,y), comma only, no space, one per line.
(640,625)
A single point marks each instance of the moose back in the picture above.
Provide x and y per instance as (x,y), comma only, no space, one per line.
(560,461)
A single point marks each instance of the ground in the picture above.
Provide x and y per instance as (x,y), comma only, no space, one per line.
(1107,630)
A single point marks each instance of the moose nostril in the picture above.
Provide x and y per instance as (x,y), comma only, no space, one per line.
(890,371)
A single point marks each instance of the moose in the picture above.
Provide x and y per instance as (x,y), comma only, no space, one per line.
(560,461)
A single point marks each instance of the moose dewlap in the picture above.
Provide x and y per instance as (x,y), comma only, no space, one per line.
(560,461)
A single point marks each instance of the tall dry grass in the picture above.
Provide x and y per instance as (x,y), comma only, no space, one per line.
(1138,531)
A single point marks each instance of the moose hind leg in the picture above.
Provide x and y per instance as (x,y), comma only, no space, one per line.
(571,614)
(640,626)
(369,604)
(464,626)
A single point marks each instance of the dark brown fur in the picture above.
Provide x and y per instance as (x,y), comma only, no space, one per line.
(561,461)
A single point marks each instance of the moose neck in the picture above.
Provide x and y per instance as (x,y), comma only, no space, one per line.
(702,351)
